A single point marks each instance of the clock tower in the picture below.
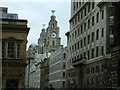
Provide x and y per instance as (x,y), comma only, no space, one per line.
(51,40)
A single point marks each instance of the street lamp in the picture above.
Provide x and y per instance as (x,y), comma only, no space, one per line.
(28,63)
(29,58)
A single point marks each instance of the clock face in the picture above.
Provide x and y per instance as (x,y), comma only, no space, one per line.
(53,34)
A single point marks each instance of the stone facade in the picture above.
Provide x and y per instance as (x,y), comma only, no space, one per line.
(115,63)
(14,40)
(44,67)
(57,68)
(89,41)
(34,70)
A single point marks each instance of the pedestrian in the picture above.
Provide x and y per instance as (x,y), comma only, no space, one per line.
(51,87)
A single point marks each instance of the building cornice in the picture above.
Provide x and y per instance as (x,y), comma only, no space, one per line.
(20,20)
(77,12)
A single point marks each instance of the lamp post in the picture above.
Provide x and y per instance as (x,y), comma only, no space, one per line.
(29,58)
(28,63)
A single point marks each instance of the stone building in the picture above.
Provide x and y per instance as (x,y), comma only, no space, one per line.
(115,63)
(34,70)
(38,63)
(48,42)
(57,68)
(89,41)
(44,68)
(14,40)
(37,70)
(30,60)
(49,39)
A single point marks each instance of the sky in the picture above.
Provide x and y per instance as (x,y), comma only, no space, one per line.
(38,13)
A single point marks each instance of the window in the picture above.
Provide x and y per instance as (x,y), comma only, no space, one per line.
(89,7)
(97,68)
(103,67)
(102,32)
(97,51)
(93,53)
(97,17)
(63,64)
(87,83)
(81,43)
(81,14)
(84,26)
(75,34)
(79,4)
(111,30)
(97,34)
(78,32)
(92,20)
(78,18)
(63,74)
(84,41)
(93,4)
(112,11)
(80,55)
(88,24)
(88,54)
(88,39)
(97,80)
(18,49)
(45,41)
(52,25)
(75,20)
(53,43)
(63,83)
(85,12)
(70,38)
(92,70)
(92,82)
(102,14)
(102,50)
(10,49)
(72,35)
(64,55)
(81,29)
(88,70)
(78,45)
(74,6)
(75,47)
(84,54)
(72,48)
(3,49)
(93,37)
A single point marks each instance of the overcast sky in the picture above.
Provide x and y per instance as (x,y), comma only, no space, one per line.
(38,13)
